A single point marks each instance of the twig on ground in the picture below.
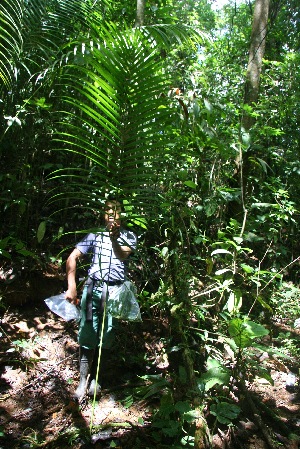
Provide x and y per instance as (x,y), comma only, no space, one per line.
(258,419)
(280,425)
(30,384)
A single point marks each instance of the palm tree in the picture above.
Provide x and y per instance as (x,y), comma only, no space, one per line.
(116,117)
(109,85)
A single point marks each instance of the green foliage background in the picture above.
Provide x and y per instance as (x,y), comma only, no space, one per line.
(92,105)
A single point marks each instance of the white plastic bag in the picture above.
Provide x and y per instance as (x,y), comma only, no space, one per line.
(122,302)
(297,323)
(62,307)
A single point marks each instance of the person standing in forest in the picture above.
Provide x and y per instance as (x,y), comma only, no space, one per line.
(109,251)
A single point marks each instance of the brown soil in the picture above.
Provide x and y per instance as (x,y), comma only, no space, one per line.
(39,373)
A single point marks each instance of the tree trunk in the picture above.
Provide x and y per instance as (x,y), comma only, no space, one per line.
(251,95)
(256,54)
(140,13)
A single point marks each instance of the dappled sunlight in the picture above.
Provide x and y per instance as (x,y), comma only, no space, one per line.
(39,373)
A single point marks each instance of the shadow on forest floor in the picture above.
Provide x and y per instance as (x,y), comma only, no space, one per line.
(39,373)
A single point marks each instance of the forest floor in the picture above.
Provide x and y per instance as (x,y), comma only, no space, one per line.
(39,373)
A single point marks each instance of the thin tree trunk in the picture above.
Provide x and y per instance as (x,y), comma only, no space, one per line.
(251,96)
(256,54)
(140,13)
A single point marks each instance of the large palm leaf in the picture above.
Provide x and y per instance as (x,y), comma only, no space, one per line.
(10,38)
(116,117)
(32,33)
(114,110)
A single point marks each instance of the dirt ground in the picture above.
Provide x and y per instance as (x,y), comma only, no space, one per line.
(39,376)
(39,373)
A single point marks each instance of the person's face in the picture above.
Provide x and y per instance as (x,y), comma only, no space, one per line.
(112,212)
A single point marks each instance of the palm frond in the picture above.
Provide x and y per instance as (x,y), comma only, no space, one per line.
(168,35)
(114,104)
(32,32)
(117,112)
(10,37)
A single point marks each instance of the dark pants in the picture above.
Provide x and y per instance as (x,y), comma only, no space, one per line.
(89,333)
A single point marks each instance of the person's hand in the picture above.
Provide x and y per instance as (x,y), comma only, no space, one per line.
(71,296)
(114,231)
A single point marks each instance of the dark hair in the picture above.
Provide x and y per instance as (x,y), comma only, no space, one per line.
(115,199)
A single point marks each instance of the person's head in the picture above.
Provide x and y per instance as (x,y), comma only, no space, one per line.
(112,212)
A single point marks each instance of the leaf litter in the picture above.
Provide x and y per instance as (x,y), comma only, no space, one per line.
(39,374)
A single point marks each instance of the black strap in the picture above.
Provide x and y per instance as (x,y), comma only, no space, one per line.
(103,297)
(89,300)
(91,284)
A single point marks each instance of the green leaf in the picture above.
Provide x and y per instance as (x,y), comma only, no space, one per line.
(191,415)
(137,221)
(264,374)
(238,333)
(182,407)
(264,165)
(60,232)
(182,374)
(255,330)
(41,231)
(155,388)
(128,401)
(245,331)
(191,184)
(112,108)
(216,374)
(168,427)
(234,301)
(247,268)
(166,407)
(225,412)
(264,304)
(5,253)
(208,105)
